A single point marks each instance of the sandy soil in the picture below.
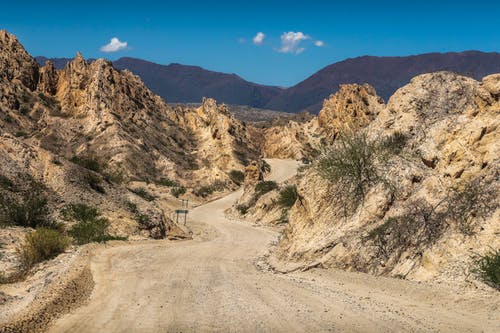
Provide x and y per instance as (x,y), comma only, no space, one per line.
(213,283)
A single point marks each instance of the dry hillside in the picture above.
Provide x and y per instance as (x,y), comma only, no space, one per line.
(408,189)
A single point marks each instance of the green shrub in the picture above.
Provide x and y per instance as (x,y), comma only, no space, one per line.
(237,176)
(205,191)
(167,182)
(132,206)
(262,188)
(40,245)
(353,165)
(488,268)
(89,226)
(243,209)
(29,210)
(143,220)
(178,191)
(288,196)
(80,212)
(90,163)
(140,191)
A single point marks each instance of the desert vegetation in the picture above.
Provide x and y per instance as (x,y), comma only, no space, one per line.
(40,245)
(356,163)
(177,191)
(423,224)
(237,176)
(207,190)
(89,225)
(288,196)
(487,267)
(28,208)
(143,193)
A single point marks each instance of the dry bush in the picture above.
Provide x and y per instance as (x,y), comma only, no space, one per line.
(418,228)
(469,203)
(40,245)
(354,164)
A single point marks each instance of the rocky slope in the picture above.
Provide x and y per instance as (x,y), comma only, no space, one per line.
(442,206)
(428,201)
(92,134)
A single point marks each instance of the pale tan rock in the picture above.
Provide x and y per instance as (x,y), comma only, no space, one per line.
(492,84)
(352,107)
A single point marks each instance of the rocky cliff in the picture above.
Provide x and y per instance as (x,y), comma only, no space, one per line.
(93,134)
(408,189)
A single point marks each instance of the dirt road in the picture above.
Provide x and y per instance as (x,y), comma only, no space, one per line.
(212,284)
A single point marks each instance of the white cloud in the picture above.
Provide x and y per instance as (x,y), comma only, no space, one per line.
(319,43)
(114,45)
(290,42)
(259,38)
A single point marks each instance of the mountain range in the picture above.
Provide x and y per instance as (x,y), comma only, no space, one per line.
(178,83)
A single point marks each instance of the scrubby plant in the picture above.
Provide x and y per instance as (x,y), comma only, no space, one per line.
(88,162)
(264,187)
(143,220)
(419,227)
(353,165)
(21,134)
(488,268)
(266,166)
(167,182)
(237,176)
(178,191)
(80,212)
(30,209)
(243,209)
(207,190)
(89,226)
(288,196)
(40,245)
(470,202)
(141,191)
(132,206)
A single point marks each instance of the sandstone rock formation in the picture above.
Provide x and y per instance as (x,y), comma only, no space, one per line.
(351,108)
(451,125)
(89,133)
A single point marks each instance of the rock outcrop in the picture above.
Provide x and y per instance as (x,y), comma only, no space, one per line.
(448,126)
(16,64)
(89,133)
(351,108)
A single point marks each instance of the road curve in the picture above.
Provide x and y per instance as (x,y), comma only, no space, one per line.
(210,284)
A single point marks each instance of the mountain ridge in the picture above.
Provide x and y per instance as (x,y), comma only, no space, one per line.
(187,83)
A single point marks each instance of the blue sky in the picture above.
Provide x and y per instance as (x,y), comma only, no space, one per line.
(219,35)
